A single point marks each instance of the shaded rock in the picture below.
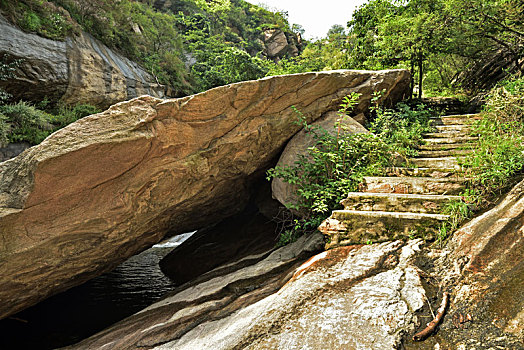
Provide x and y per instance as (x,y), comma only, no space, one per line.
(298,146)
(248,233)
(212,296)
(357,297)
(11,150)
(276,43)
(113,184)
(78,70)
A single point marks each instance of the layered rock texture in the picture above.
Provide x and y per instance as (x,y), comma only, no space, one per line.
(112,184)
(277,44)
(358,297)
(78,70)
(409,201)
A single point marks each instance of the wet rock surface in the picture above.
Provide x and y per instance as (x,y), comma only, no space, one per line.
(211,296)
(113,184)
(360,297)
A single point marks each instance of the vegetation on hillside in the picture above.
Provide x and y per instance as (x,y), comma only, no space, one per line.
(498,158)
(446,44)
(190,45)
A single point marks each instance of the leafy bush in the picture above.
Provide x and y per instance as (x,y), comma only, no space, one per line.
(4,130)
(22,122)
(499,155)
(402,127)
(68,114)
(26,123)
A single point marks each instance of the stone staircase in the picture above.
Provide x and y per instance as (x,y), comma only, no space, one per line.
(409,200)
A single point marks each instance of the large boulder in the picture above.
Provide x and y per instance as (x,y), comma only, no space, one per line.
(298,146)
(112,184)
(276,43)
(78,70)
(358,297)
(483,268)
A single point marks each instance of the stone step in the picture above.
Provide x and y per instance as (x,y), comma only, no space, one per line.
(443,153)
(444,163)
(421,185)
(449,139)
(453,128)
(447,134)
(397,202)
(346,227)
(418,172)
(446,146)
(463,119)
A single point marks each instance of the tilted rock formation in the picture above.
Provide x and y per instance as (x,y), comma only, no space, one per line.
(78,70)
(358,297)
(276,43)
(112,184)
(213,295)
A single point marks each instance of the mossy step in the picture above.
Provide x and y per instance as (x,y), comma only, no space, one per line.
(443,162)
(447,134)
(418,172)
(463,119)
(453,128)
(420,185)
(346,227)
(443,153)
(396,202)
(446,146)
(449,139)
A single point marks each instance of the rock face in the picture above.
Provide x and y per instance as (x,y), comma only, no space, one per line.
(358,297)
(112,184)
(276,43)
(213,295)
(298,146)
(78,70)
(483,267)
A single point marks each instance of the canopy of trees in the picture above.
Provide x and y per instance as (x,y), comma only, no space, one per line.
(445,43)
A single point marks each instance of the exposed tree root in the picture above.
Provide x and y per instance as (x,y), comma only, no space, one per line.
(433,324)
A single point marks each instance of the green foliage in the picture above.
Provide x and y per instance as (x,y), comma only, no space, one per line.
(339,161)
(7,71)
(458,212)
(500,151)
(223,36)
(22,122)
(498,157)
(402,128)
(26,123)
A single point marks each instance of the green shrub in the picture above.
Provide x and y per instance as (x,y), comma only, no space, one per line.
(402,127)
(69,114)
(31,21)
(499,155)
(26,123)
(4,130)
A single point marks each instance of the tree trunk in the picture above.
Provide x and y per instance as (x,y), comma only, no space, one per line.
(420,72)
(412,78)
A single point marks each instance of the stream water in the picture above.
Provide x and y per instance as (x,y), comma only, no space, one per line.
(82,311)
